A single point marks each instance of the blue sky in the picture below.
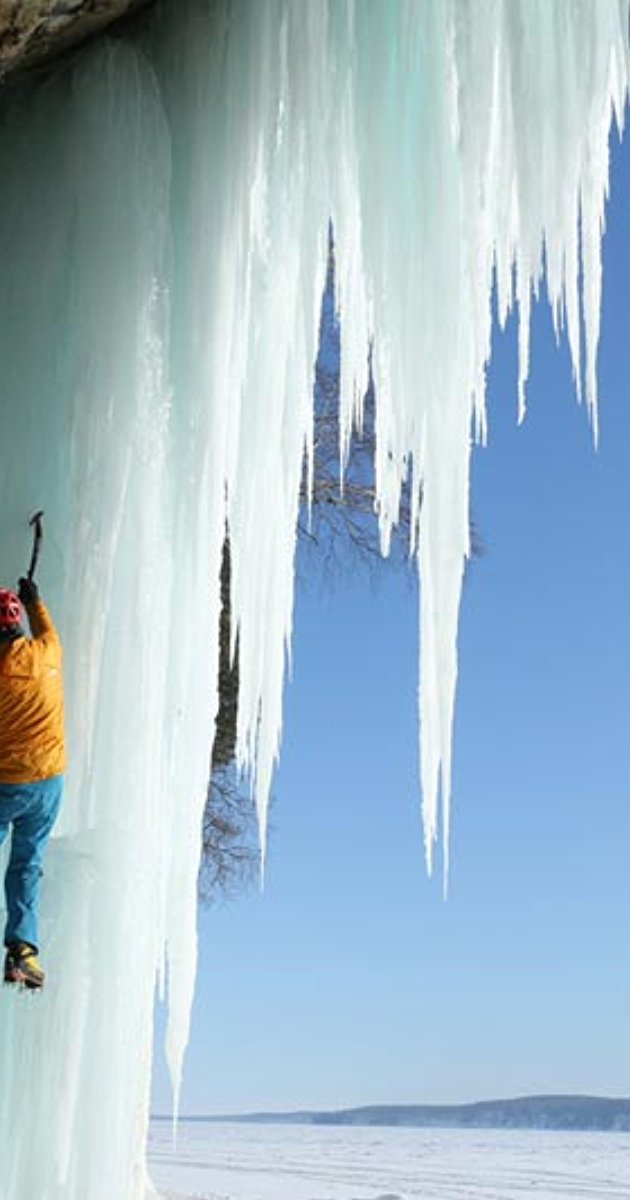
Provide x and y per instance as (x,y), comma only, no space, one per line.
(350,980)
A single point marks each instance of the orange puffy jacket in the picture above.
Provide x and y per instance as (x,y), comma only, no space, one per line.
(31,703)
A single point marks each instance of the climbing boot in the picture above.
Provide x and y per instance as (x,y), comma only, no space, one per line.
(21,966)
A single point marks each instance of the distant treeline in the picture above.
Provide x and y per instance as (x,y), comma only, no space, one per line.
(527,1112)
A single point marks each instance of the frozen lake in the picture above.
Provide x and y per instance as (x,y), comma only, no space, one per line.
(302,1162)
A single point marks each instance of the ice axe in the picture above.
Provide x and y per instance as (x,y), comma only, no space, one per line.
(38,533)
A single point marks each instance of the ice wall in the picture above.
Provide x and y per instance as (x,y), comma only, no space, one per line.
(164,209)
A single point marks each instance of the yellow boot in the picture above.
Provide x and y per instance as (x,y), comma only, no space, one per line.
(21,966)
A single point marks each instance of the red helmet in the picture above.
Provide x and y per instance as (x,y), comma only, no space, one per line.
(10,609)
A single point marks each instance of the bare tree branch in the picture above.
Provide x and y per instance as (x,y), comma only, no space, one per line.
(230,855)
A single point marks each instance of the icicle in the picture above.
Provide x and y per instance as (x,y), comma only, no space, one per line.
(163,234)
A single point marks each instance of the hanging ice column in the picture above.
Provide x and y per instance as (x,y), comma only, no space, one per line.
(164,209)
(469,137)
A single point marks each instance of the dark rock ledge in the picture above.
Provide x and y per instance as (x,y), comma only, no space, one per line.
(32,31)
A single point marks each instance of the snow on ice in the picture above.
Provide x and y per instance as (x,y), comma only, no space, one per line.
(249,1162)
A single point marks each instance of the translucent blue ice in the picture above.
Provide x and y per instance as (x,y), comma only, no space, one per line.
(165,201)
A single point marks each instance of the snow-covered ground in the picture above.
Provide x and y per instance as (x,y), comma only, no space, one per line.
(280,1162)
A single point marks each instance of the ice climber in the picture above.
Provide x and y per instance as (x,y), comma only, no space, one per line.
(32,761)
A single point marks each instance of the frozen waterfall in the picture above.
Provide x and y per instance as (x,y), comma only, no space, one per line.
(165,198)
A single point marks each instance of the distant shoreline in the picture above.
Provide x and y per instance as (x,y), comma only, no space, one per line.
(554,1112)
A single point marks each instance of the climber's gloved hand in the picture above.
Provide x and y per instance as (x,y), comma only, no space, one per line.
(28,591)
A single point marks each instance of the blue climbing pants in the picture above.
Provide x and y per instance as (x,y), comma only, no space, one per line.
(29,811)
